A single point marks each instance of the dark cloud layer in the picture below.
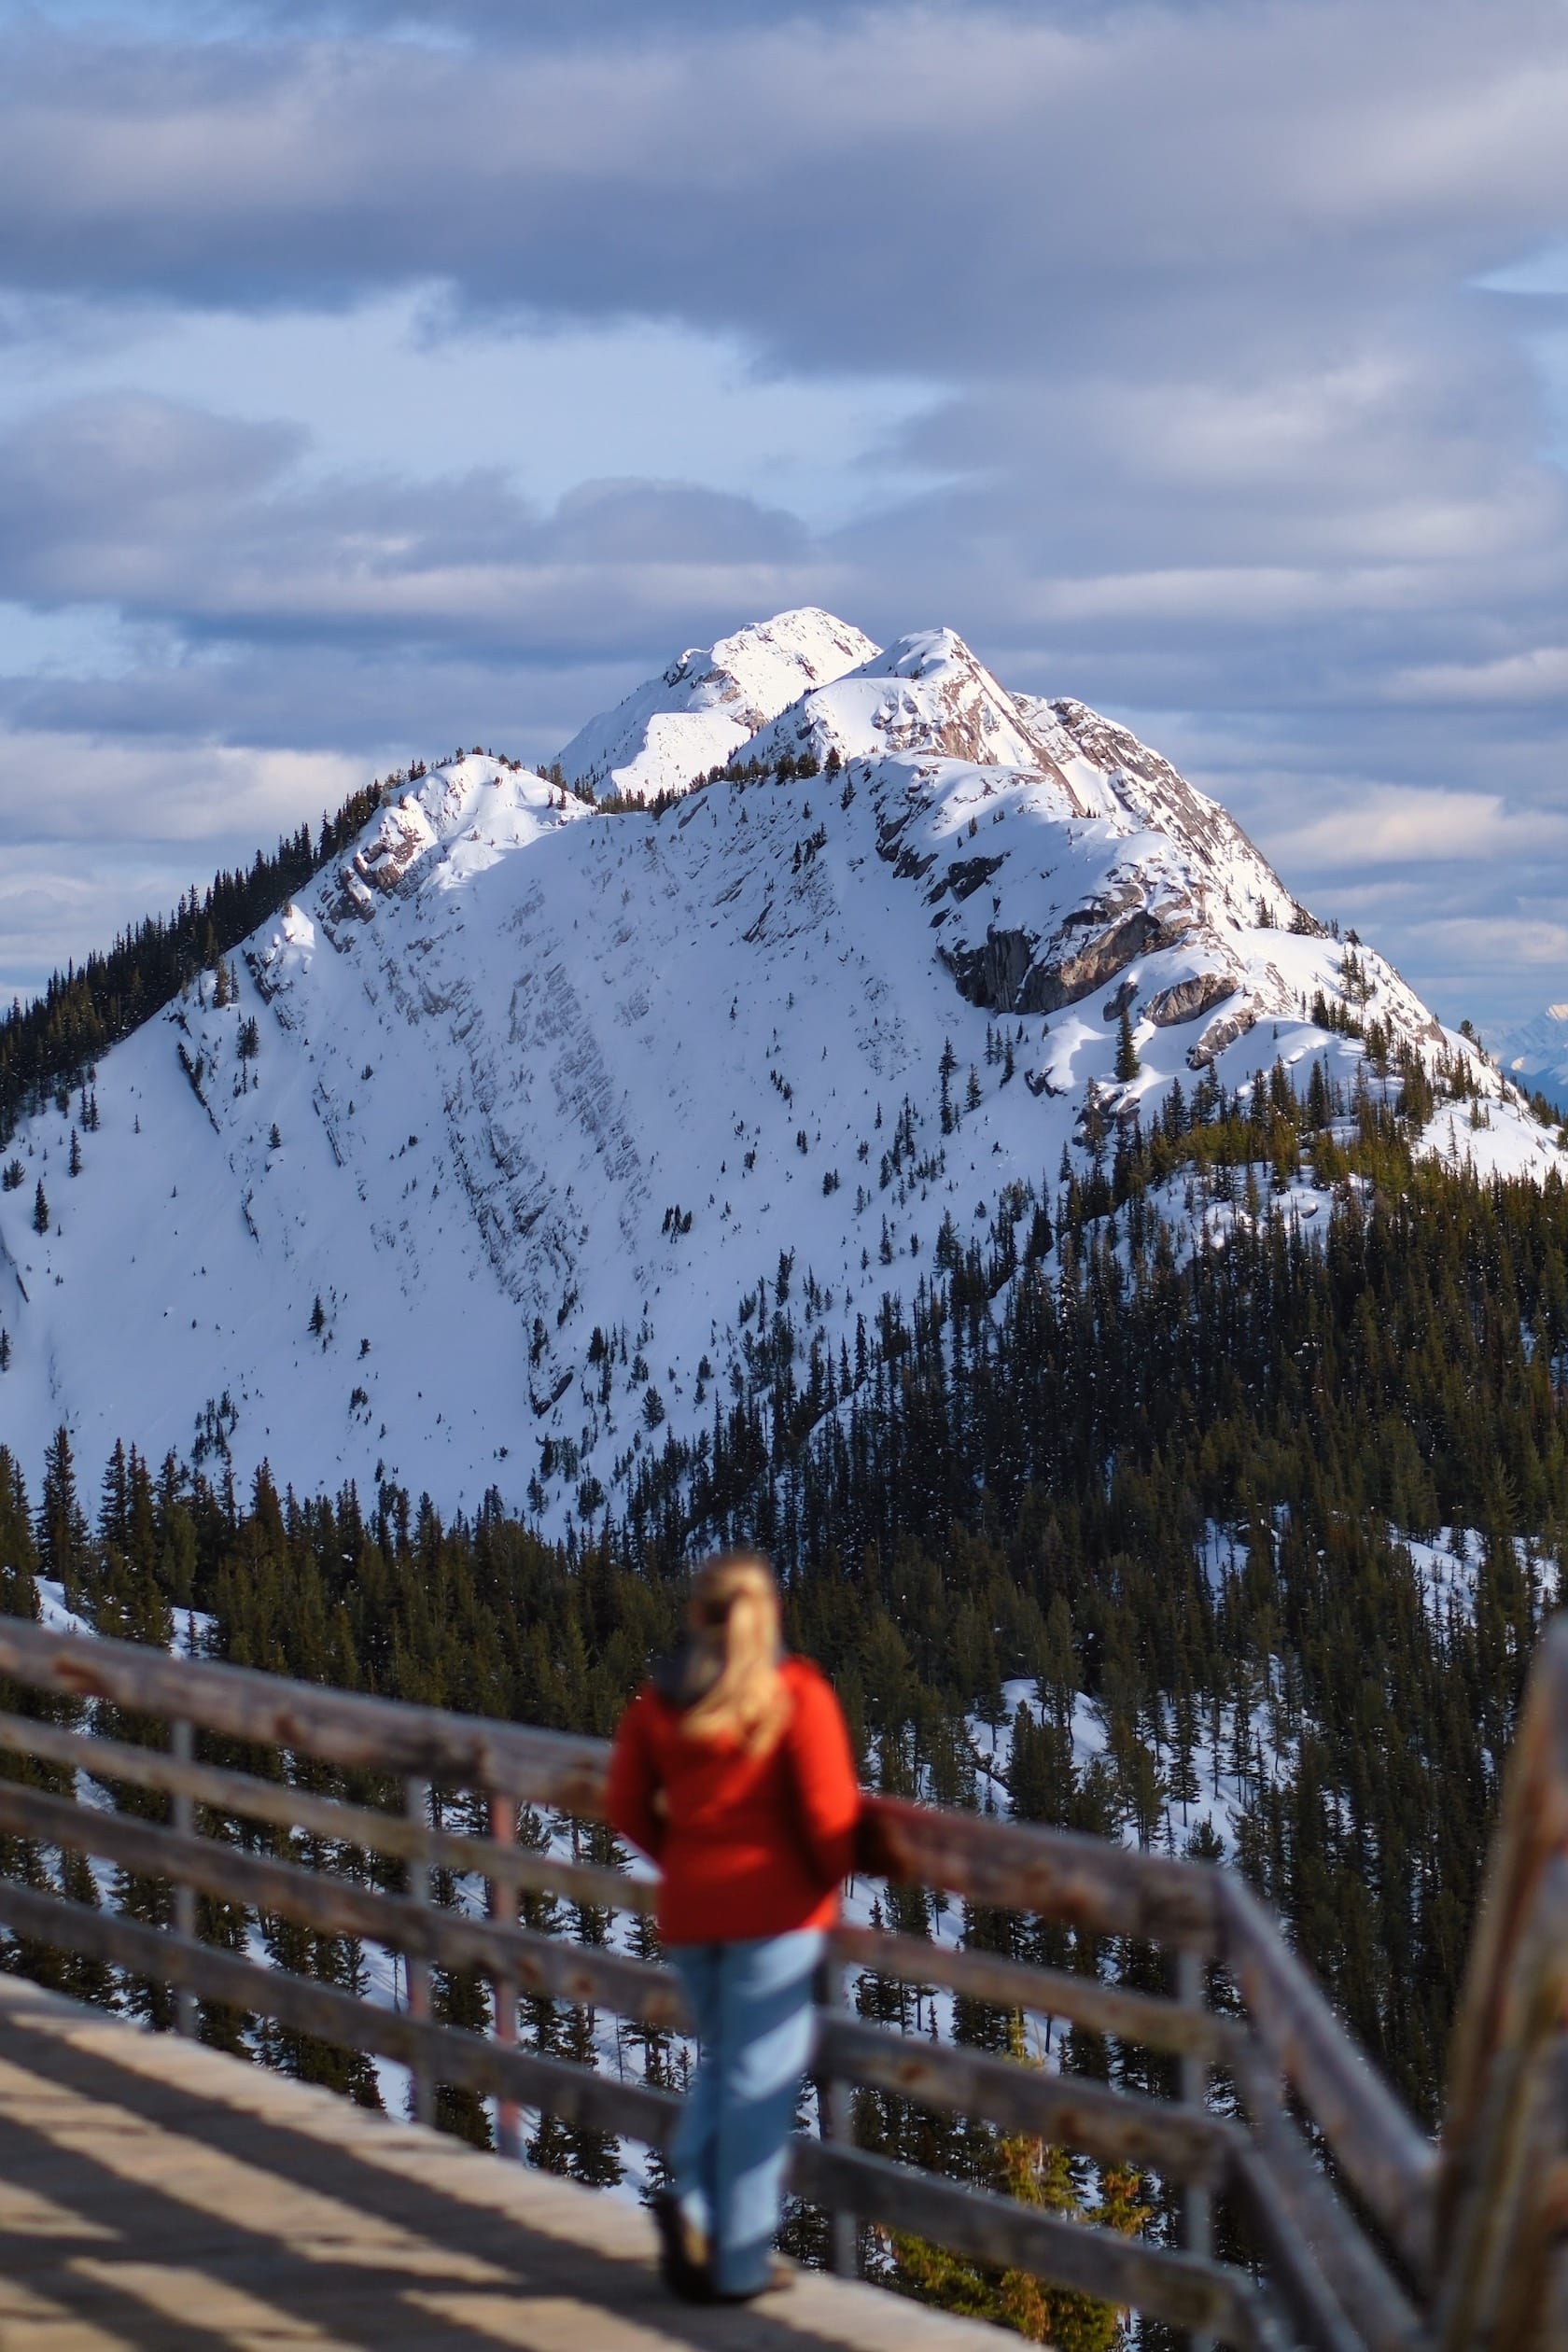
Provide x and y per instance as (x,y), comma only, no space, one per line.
(1230,438)
(846,191)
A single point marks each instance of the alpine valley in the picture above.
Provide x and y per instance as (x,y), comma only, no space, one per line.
(488,1161)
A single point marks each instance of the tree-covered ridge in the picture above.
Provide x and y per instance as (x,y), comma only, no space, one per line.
(48,1045)
(1156,1539)
(1179,1495)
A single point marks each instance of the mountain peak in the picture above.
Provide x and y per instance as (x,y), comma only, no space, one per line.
(477,1167)
(928,692)
(673,728)
(1535,1051)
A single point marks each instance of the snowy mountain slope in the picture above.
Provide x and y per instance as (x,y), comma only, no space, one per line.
(1141,866)
(1535,1054)
(674,728)
(565,1103)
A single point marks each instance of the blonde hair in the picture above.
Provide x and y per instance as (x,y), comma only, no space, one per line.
(735,1608)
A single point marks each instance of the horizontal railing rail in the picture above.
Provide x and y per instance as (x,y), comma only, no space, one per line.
(1347,2272)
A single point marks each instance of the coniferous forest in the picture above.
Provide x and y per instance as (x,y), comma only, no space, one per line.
(1232,1546)
(45,1046)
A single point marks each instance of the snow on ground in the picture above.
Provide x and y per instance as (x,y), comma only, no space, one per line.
(1449,1565)
(1535,1054)
(698,714)
(525,1073)
(53,1614)
(1228,1758)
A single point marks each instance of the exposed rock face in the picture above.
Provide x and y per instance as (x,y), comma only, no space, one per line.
(403,836)
(994,974)
(1221,1032)
(1188,999)
(927,694)
(966,875)
(1063,979)
(533,1074)
(1161,799)
(1014,974)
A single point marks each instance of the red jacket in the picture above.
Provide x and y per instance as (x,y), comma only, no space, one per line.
(746,1848)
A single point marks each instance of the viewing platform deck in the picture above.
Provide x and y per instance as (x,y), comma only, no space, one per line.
(158,2195)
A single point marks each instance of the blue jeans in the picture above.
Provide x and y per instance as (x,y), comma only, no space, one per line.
(751,2006)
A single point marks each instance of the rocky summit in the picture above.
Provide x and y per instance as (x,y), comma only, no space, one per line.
(488,1164)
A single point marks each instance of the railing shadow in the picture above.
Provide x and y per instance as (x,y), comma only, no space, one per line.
(1473,2257)
(429,2253)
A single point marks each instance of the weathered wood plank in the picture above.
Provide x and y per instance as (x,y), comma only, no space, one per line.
(284,1806)
(1311,2238)
(1118,2127)
(1104,2009)
(1189,2292)
(213,2203)
(1087,1881)
(1499,2267)
(1495,2245)
(362,1734)
(1383,2154)
(423,1932)
(1319,2319)
(576,2092)
(1532,1826)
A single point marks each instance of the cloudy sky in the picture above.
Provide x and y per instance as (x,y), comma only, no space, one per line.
(375,378)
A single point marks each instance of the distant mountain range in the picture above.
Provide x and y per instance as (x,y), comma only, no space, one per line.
(1536,1052)
(484,1170)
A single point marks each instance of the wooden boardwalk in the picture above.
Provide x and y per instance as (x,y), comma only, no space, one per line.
(158,2195)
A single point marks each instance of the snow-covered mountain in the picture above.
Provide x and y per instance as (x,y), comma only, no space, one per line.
(695,716)
(533,1099)
(1536,1054)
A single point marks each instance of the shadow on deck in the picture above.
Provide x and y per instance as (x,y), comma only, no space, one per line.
(158,2195)
(154,2194)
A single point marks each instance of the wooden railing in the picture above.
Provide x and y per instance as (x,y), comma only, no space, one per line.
(1361,2235)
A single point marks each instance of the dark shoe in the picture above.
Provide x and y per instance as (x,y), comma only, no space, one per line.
(683,2251)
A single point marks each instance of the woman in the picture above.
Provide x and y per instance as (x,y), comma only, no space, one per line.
(732,1769)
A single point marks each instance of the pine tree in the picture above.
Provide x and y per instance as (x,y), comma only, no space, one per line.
(19,1558)
(64,1554)
(1127,1063)
(40,1210)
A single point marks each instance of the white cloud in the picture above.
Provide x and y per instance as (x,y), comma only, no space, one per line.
(1390,825)
(98,835)
(1540,945)
(65,788)
(366,391)
(1540,675)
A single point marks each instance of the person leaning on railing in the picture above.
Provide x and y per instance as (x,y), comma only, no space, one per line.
(732,1769)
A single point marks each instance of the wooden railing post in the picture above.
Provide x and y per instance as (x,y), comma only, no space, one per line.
(182,1820)
(835,2109)
(1327,2280)
(417,1972)
(1197,2211)
(503,1990)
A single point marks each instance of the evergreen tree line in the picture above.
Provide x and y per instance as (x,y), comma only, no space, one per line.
(1100,1467)
(49,1045)
(480,1617)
